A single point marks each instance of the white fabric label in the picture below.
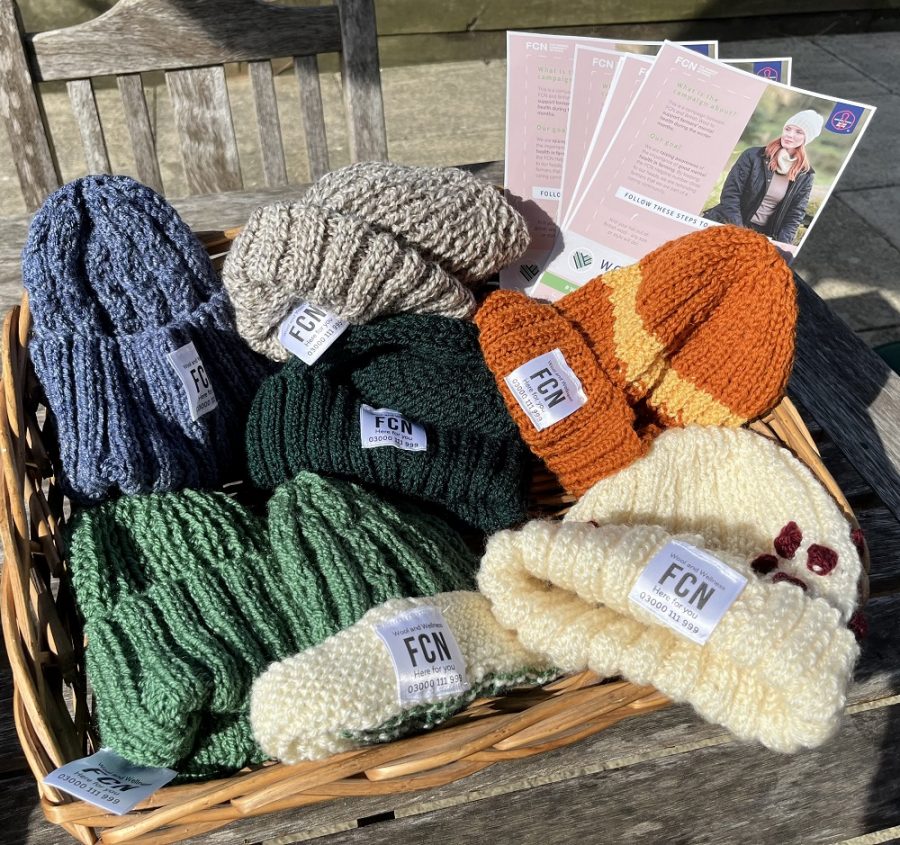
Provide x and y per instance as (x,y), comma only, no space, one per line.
(384,427)
(108,781)
(190,369)
(427,659)
(309,330)
(687,589)
(547,389)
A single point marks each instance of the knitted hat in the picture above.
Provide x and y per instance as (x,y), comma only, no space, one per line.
(700,330)
(289,253)
(186,598)
(116,284)
(321,702)
(471,461)
(450,216)
(809,121)
(740,492)
(431,368)
(775,667)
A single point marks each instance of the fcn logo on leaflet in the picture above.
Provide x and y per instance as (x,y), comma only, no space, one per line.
(844,118)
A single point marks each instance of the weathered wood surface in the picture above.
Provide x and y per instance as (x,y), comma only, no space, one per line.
(137,121)
(268,125)
(143,35)
(361,79)
(206,136)
(714,794)
(84,107)
(21,114)
(306,70)
(851,392)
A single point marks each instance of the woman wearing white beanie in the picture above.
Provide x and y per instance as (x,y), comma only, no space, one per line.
(768,187)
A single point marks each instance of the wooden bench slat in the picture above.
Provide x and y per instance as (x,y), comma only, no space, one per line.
(145,35)
(360,75)
(137,121)
(205,129)
(262,85)
(21,114)
(859,412)
(84,107)
(306,69)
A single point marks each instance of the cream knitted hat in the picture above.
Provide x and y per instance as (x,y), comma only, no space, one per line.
(453,218)
(809,121)
(743,493)
(774,669)
(343,692)
(296,252)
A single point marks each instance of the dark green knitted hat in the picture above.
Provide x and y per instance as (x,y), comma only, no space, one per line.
(430,370)
(187,597)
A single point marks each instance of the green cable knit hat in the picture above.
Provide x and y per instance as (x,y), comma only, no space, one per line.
(430,370)
(187,596)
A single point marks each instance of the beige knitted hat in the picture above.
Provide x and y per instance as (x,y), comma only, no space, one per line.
(774,668)
(452,217)
(743,493)
(343,693)
(297,252)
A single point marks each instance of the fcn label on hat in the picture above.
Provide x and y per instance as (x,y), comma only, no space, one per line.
(309,330)
(687,589)
(384,427)
(200,395)
(547,389)
(109,781)
(427,659)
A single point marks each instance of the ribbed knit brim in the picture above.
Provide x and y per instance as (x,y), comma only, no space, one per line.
(290,253)
(775,668)
(319,703)
(309,418)
(116,281)
(187,597)
(452,217)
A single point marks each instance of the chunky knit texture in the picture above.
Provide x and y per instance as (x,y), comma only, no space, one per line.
(289,253)
(427,369)
(187,597)
(742,492)
(775,669)
(343,692)
(431,368)
(115,282)
(700,330)
(453,218)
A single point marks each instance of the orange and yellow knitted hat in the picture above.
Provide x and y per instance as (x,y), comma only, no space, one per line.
(701,330)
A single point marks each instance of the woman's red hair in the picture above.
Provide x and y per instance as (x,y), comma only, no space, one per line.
(801,161)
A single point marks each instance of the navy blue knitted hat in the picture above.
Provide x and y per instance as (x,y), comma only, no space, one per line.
(116,283)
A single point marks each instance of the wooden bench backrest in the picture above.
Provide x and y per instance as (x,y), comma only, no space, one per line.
(190,40)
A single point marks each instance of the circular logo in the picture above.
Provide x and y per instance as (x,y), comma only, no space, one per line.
(580,259)
(768,72)
(843,120)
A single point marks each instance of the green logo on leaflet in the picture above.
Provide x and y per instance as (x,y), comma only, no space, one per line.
(581,258)
(529,271)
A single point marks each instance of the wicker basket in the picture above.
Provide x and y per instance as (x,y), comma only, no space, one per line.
(45,643)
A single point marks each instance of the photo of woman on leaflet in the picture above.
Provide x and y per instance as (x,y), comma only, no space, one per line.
(768,187)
